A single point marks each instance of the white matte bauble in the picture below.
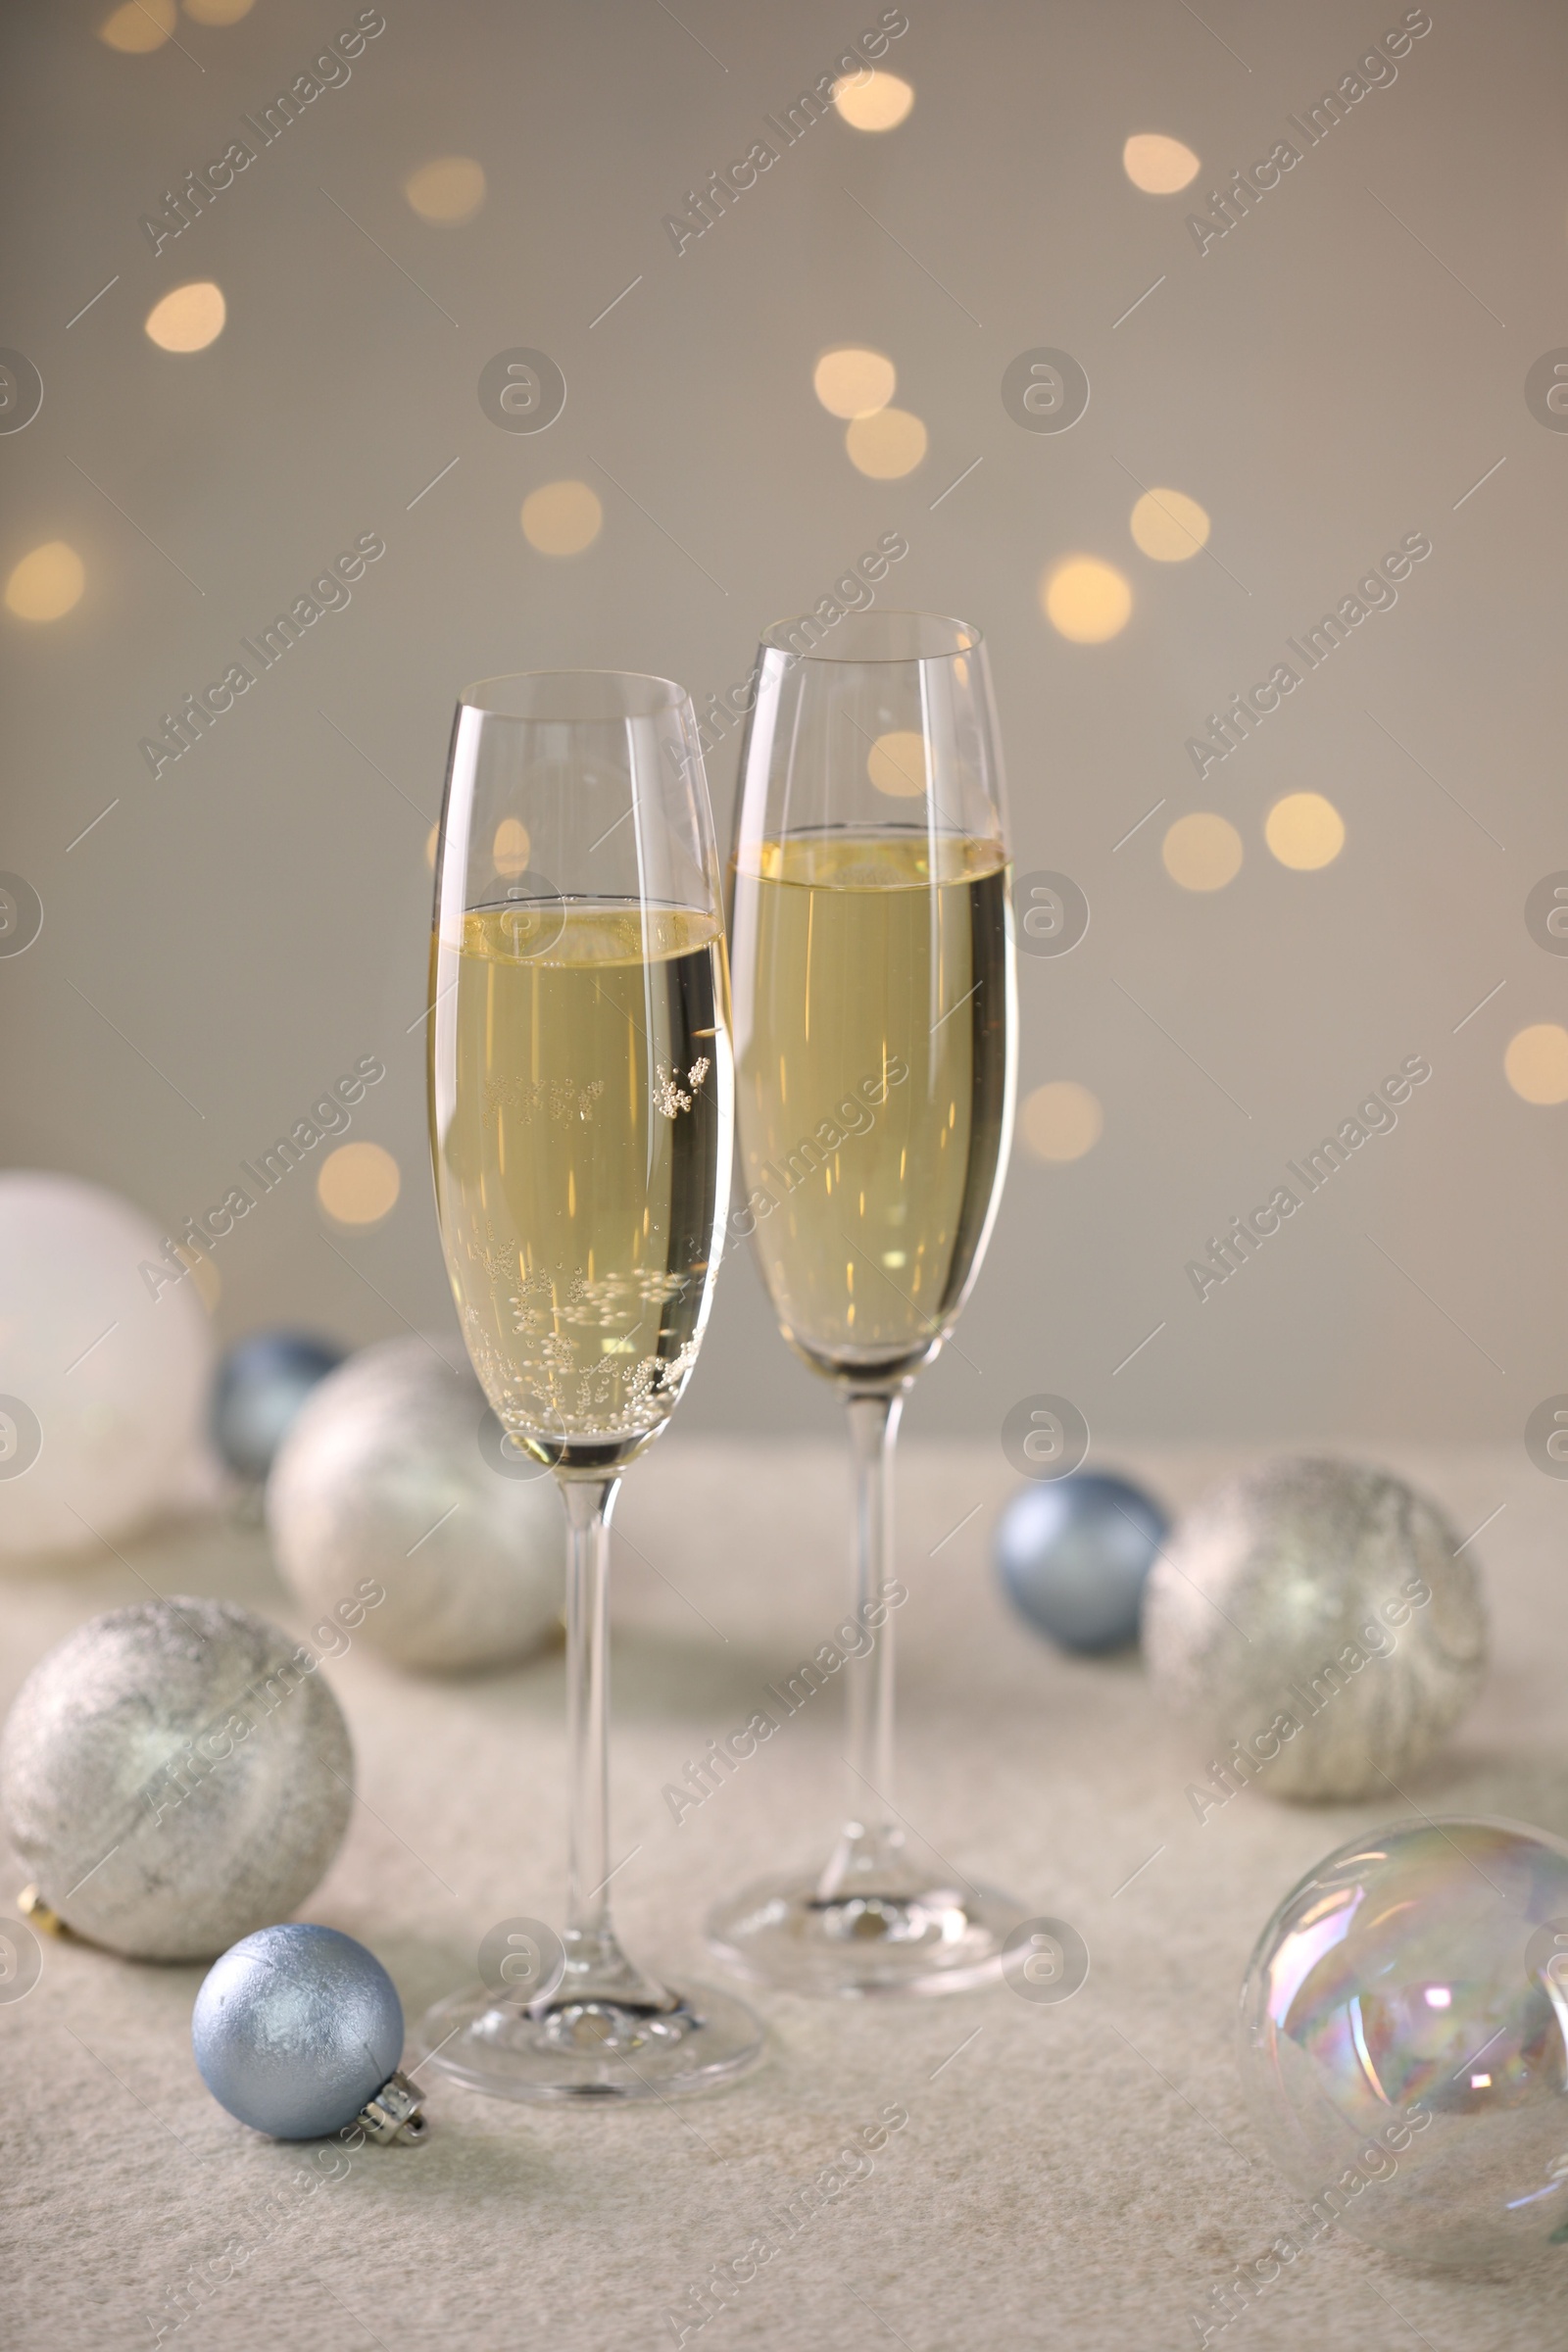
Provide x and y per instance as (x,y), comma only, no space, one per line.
(174,1776)
(104,1370)
(395,1473)
(1320,1625)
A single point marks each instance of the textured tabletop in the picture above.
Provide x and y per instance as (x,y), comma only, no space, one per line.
(1081,2174)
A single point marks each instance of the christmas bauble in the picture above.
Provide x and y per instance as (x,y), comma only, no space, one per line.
(104,1365)
(1404,2040)
(395,1471)
(175,1775)
(1073,1554)
(261,1385)
(1320,1624)
(297,2030)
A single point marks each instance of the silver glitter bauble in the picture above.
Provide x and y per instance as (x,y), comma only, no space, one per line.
(1320,1624)
(394,1477)
(295,2029)
(176,1775)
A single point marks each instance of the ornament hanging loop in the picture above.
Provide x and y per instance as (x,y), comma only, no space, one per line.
(395,2116)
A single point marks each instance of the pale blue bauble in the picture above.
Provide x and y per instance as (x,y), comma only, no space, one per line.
(262,1383)
(1073,1554)
(295,2027)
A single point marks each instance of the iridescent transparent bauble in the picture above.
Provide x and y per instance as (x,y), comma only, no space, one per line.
(1404,2041)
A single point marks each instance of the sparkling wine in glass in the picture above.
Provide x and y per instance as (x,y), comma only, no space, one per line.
(875,1025)
(582,1093)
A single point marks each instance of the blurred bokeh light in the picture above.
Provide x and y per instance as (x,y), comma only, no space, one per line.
(853,382)
(874,101)
(448,191)
(46,583)
(562,518)
(188,317)
(1304,831)
(1062,1121)
(359,1184)
(1086,599)
(886,445)
(1158,163)
(1203,851)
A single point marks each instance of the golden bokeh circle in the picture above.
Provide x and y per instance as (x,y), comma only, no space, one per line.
(139,28)
(1085,600)
(431,842)
(510,851)
(897,765)
(1062,1121)
(448,191)
(562,518)
(1304,831)
(1202,850)
(853,381)
(1536,1063)
(1170,526)
(46,583)
(1158,164)
(359,1184)
(886,445)
(188,317)
(873,101)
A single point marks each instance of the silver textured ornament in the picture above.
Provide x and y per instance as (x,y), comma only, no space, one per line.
(1317,1621)
(395,1474)
(175,1775)
(297,2032)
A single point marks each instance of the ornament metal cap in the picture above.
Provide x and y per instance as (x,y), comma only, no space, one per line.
(395,2113)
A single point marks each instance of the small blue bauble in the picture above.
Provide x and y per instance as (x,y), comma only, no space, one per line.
(262,1383)
(1073,1554)
(295,2029)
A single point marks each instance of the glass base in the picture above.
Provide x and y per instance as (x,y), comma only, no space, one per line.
(591,2048)
(858,1937)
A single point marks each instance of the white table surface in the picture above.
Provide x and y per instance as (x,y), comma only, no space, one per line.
(1077,2176)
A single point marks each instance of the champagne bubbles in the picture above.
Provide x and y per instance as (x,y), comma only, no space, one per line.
(1404,2040)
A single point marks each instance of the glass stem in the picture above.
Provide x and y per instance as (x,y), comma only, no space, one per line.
(595,1962)
(870,1850)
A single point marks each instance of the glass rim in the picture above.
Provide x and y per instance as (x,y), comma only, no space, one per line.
(485,696)
(774,638)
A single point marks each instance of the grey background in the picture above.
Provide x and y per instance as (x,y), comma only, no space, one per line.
(1323,380)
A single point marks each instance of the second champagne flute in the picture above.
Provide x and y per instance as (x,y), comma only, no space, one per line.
(875,1020)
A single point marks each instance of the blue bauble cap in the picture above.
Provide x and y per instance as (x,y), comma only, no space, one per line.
(296,2029)
(1074,1553)
(262,1383)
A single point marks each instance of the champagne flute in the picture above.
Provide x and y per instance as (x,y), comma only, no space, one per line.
(582,1101)
(875,1025)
